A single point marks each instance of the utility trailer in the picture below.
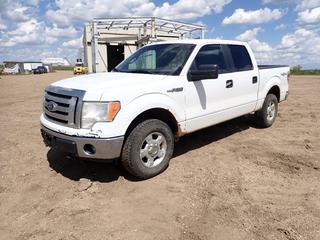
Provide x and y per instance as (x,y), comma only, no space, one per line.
(108,41)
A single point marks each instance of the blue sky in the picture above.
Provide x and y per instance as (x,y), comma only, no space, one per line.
(279,31)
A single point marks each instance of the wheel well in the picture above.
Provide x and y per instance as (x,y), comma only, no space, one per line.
(155,113)
(276,91)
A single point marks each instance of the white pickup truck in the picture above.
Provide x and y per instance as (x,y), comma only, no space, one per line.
(161,92)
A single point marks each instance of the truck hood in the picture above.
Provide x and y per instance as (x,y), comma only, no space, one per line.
(97,84)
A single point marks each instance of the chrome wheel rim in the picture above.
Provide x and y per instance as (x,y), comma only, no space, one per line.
(153,149)
(271,111)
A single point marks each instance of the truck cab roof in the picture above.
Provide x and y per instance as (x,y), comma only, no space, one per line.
(203,41)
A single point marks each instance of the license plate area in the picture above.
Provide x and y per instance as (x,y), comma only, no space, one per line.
(63,145)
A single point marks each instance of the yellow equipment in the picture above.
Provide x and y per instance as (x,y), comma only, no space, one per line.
(79,68)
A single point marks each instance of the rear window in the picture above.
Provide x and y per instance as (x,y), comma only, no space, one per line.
(241,58)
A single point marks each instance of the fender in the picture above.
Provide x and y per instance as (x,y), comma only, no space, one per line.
(264,89)
(137,106)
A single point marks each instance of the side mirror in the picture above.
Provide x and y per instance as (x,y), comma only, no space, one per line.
(206,71)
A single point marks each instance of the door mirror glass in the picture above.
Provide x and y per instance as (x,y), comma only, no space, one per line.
(205,71)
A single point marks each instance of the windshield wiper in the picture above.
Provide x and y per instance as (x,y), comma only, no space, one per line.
(140,71)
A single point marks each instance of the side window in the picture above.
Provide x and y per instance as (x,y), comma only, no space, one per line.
(212,55)
(241,58)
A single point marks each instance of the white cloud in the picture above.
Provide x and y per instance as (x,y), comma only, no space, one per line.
(28,32)
(33,2)
(26,28)
(300,47)
(257,46)
(186,9)
(303,43)
(57,32)
(8,43)
(34,32)
(2,26)
(309,16)
(249,34)
(69,12)
(299,39)
(218,5)
(18,14)
(74,43)
(307,4)
(14,11)
(241,16)
(280,27)
(274,1)
(58,18)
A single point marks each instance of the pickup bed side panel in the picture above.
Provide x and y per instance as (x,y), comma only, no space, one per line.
(269,78)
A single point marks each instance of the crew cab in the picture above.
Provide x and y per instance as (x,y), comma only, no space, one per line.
(160,93)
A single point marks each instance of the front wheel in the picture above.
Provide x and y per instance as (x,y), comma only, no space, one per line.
(266,116)
(148,149)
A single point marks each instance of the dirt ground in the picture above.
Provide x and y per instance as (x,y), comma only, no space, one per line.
(231,181)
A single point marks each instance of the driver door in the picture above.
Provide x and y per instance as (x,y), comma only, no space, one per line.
(208,100)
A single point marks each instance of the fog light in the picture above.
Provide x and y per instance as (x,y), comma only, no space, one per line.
(89,149)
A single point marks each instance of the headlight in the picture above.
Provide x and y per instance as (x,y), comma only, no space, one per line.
(93,112)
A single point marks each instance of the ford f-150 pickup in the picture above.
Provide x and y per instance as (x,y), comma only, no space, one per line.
(160,93)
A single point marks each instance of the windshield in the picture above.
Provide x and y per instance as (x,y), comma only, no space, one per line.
(166,59)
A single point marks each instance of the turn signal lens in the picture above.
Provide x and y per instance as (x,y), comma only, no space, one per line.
(114,108)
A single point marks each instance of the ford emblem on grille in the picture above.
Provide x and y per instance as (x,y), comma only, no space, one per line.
(51,106)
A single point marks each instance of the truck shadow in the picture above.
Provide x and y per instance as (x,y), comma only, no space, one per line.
(212,134)
(75,169)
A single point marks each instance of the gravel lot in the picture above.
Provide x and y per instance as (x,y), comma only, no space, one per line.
(231,181)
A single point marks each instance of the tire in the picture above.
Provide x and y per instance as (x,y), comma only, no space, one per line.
(266,116)
(148,149)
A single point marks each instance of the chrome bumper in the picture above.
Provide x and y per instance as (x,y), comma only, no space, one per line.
(94,148)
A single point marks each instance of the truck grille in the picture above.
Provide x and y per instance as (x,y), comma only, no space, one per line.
(63,106)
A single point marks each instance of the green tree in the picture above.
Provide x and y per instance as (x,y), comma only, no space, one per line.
(296,68)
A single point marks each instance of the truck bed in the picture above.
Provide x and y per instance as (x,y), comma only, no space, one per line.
(268,72)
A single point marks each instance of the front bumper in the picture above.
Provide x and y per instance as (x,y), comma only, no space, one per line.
(83,147)
(78,70)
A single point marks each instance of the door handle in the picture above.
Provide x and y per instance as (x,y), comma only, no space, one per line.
(229,84)
(254,79)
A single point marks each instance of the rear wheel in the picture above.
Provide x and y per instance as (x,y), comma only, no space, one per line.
(148,149)
(266,116)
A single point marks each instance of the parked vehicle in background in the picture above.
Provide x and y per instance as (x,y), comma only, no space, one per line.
(79,68)
(40,70)
(160,93)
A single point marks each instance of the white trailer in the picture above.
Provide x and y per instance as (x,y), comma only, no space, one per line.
(108,41)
